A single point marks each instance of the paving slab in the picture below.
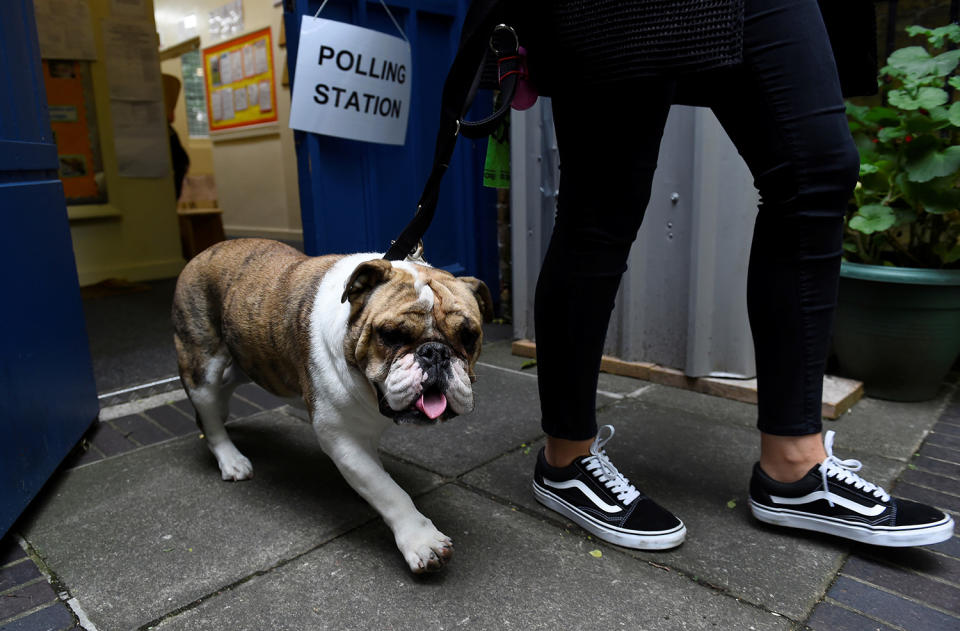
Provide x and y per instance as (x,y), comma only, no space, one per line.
(143,533)
(717,408)
(890,428)
(499,354)
(694,466)
(510,570)
(887,428)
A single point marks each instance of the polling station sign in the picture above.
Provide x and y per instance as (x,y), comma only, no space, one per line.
(351,82)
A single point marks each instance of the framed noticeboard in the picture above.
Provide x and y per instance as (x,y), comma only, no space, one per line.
(73,119)
(240,84)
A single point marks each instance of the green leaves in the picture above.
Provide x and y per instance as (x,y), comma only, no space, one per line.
(953,113)
(886,134)
(914,62)
(938,196)
(873,218)
(938,37)
(906,208)
(923,161)
(925,98)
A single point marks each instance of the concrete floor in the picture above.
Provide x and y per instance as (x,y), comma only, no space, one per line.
(147,536)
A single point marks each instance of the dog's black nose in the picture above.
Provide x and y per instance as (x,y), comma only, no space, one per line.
(433,353)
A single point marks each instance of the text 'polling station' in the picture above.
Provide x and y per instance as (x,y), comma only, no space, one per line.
(364,102)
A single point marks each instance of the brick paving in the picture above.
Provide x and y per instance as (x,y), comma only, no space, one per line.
(165,422)
(912,589)
(27,601)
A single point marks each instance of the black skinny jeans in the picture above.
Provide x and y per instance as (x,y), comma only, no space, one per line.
(784,112)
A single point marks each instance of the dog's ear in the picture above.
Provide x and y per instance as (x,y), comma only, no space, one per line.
(367,276)
(482,293)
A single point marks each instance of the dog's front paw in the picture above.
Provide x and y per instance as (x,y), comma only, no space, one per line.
(425,548)
(234,465)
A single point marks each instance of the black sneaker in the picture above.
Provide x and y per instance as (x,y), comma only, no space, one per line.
(591,492)
(833,499)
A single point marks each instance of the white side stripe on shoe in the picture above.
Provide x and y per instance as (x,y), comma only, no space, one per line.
(577,484)
(868,511)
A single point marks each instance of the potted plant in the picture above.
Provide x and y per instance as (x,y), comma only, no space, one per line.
(898,321)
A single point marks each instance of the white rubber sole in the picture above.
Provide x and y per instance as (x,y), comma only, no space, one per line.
(890,536)
(639,540)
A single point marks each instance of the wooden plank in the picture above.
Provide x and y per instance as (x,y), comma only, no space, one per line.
(839,394)
(524,348)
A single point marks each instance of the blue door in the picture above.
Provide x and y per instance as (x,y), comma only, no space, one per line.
(47,393)
(356,196)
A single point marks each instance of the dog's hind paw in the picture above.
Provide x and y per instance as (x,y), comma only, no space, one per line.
(426,550)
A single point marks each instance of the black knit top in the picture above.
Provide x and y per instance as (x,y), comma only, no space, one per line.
(606,41)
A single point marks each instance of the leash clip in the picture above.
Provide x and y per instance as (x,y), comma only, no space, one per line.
(416,255)
(504,29)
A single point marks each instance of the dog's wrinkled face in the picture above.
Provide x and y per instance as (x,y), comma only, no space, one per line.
(415,332)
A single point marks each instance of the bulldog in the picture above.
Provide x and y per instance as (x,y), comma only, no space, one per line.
(355,340)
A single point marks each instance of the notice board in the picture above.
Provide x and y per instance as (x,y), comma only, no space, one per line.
(240,84)
(74,125)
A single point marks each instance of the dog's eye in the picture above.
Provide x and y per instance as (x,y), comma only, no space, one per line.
(392,337)
(469,337)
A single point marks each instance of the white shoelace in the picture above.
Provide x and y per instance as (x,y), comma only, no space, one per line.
(845,471)
(599,464)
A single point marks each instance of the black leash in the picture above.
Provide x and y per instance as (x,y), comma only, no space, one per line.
(481,33)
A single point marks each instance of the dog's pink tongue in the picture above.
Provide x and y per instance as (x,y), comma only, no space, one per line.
(432,404)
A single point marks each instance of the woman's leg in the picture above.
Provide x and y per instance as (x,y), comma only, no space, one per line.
(785,112)
(607,159)
(786,115)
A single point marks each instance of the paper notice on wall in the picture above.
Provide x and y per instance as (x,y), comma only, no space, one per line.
(240,99)
(140,138)
(128,7)
(215,106)
(64,29)
(224,63)
(226,99)
(253,97)
(266,98)
(351,82)
(133,66)
(236,65)
(260,55)
(249,61)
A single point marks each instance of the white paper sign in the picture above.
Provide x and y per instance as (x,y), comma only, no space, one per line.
(226,102)
(64,29)
(133,66)
(226,76)
(240,99)
(266,98)
(216,106)
(260,55)
(140,138)
(249,61)
(351,82)
(236,65)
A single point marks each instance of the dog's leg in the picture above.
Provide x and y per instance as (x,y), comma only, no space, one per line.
(210,396)
(424,548)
